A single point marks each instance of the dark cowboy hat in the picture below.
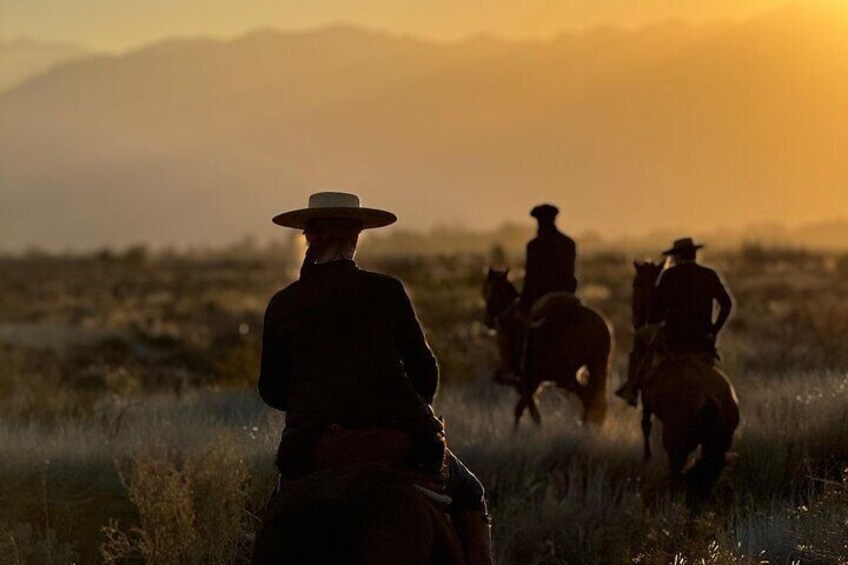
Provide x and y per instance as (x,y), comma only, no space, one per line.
(681,246)
(335,205)
(544,212)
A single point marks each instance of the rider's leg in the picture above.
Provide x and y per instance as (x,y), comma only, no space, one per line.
(468,513)
(629,391)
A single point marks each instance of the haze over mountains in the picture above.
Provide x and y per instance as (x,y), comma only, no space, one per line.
(200,141)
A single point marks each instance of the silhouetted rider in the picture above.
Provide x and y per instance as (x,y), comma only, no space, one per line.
(344,356)
(685,299)
(550,260)
(684,303)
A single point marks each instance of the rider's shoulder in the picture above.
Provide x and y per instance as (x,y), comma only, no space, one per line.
(705,270)
(548,238)
(683,269)
(382,280)
(279,299)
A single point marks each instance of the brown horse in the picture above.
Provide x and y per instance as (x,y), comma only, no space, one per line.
(366,514)
(693,399)
(562,348)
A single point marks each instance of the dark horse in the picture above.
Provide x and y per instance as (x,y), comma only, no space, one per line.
(562,347)
(691,397)
(366,514)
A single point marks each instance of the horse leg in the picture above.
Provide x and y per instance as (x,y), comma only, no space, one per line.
(703,477)
(520,406)
(526,401)
(716,442)
(646,431)
(676,446)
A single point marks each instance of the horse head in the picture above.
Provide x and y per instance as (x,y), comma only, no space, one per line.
(644,283)
(498,293)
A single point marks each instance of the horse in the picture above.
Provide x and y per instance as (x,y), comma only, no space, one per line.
(367,514)
(562,347)
(694,400)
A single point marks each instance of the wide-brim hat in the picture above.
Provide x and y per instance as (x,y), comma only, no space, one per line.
(544,212)
(335,205)
(682,245)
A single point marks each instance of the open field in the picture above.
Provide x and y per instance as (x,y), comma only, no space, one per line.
(129,427)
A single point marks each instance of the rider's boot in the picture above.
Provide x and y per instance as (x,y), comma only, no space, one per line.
(474,531)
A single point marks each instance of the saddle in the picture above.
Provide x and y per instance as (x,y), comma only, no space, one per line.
(553,304)
(341,447)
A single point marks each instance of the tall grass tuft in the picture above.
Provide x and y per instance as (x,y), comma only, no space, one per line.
(190,509)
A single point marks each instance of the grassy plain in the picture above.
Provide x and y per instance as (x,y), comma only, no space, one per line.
(130,430)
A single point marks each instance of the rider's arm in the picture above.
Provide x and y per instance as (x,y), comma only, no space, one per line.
(418,360)
(725,304)
(274,380)
(570,261)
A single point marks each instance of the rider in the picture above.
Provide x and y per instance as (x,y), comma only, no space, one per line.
(550,260)
(344,356)
(686,295)
(684,302)
(549,279)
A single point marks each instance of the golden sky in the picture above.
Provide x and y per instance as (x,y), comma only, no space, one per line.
(121,24)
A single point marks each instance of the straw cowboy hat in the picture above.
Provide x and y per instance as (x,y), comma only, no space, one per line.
(682,245)
(335,205)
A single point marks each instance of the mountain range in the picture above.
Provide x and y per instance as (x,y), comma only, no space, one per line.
(200,141)
(22,58)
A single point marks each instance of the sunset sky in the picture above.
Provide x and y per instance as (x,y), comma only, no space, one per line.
(114,25)
(737,122)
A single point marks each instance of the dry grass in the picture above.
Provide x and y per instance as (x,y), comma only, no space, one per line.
(190,509)
(196,468)
(151,445)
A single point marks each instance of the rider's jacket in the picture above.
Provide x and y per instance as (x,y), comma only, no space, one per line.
(549,268)
(685,298)
(342,346)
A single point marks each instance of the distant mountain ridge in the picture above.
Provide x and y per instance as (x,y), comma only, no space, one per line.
(22,58)
(201,141)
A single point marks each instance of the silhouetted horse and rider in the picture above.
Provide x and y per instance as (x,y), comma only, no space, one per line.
(673,364)
(365,473)
(545,335)
(366,476)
